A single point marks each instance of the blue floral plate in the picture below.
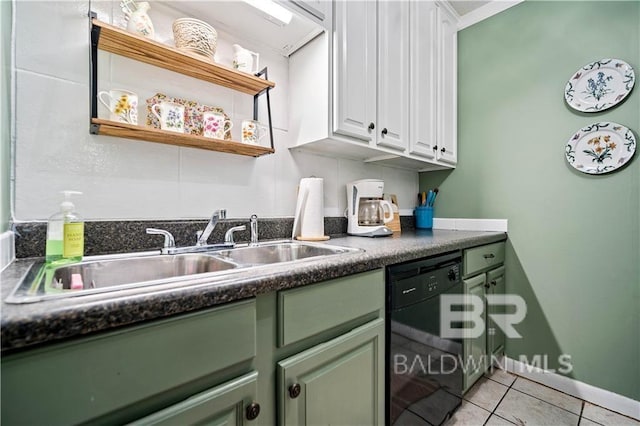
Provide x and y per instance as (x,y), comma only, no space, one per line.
(599,85)
(600,148)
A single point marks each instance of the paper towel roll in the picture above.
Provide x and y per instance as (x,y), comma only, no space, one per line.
(309,218)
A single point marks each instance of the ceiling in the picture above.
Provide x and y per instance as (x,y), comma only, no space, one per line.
(465,6)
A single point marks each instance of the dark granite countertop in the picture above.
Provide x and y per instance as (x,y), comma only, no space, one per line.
(27,325)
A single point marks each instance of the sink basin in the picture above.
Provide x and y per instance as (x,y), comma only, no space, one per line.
(115,272)
(110,274)
(269,253)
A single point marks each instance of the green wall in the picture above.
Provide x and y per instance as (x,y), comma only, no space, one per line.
(5,114)
(574,239)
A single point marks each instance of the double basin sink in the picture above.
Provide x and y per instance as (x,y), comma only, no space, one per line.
(110,273)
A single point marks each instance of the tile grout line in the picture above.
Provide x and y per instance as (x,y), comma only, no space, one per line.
(501,399)
(581,411)
(547,402)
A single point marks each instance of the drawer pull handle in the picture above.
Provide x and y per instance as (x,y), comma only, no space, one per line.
(489,256)
(294,390)
(253,410)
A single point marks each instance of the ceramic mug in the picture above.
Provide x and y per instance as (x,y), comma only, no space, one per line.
(171,116)
(253,131)
(215,125)
(122,105)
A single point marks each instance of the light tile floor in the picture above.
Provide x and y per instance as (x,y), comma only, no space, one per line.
(501,398)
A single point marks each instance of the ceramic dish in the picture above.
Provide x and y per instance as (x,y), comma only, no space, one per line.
(192,114)
(600,148)
(599,85)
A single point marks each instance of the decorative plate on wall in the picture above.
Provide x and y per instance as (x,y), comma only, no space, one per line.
(599,85)
(600,148)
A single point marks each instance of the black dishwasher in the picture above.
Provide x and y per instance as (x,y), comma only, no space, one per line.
(424,376)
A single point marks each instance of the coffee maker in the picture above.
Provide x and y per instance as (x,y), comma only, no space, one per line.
(367,212)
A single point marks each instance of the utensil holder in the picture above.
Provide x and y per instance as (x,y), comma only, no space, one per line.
(424,217)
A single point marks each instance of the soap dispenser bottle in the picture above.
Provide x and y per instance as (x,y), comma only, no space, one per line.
(65,233)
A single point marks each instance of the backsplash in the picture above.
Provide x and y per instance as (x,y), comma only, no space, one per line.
(109,237)
(128,179)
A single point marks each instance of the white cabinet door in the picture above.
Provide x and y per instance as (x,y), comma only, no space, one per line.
(393,74)
(355,69)
(447,84)
(423,78)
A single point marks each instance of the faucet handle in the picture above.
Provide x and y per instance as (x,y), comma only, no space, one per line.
(169,241)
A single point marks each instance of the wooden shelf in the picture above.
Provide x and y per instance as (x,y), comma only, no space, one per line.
(115,40)
(129,131)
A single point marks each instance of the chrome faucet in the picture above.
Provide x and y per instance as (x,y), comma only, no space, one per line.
(203,236)
(253,223)
(169,241)
(228,236)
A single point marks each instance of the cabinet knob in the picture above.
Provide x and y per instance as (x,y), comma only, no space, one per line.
(494,282)
(435,147)
(253,410)
(384,131)
(372,126)
(443,150)
(294,390)
(487,285)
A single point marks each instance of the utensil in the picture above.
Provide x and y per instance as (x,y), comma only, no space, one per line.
(171,116)
(214,124)
(122,105)
(253,131)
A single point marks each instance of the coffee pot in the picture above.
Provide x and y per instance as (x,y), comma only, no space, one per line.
(367,212)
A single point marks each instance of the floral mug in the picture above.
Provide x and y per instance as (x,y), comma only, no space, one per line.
(215,124)
(170,115)
(122,105)
(253,131)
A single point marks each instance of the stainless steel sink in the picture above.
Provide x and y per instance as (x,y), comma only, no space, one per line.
(116,272)
(43,282)
(270,253)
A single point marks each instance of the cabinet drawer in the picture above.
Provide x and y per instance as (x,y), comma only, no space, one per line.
(223,405)
(481,258)
(306,311)
(79,381)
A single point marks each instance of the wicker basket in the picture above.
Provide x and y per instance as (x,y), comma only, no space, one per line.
(193,35)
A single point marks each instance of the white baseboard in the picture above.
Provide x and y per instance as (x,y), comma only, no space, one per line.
(7,249)
(604,398)
(497,225)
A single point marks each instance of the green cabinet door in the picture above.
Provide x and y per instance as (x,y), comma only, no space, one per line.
(232,403)
(495,333)
(337,382)
(475,348)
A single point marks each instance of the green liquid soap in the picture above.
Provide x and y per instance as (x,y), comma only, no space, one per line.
(54,250)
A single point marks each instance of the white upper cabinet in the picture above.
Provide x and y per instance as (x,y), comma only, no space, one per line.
(381,86)
(393,74)
(423,78)
(355,69)
(447,151)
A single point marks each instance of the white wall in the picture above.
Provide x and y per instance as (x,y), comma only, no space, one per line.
(129,179)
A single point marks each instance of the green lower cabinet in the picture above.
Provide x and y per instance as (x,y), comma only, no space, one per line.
(337,382)
(475,348)
(495,334)
(231,404)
